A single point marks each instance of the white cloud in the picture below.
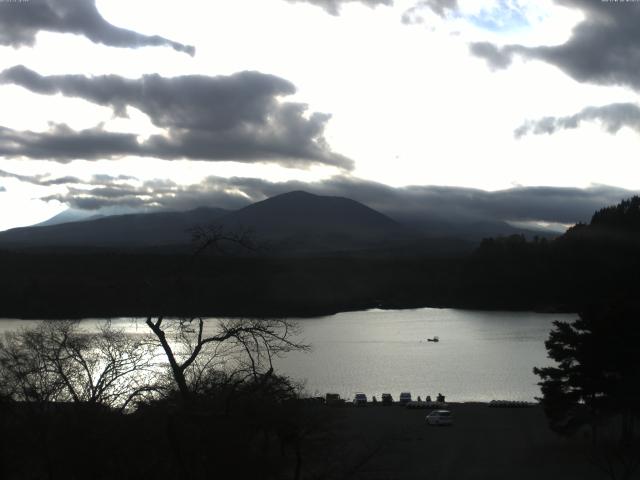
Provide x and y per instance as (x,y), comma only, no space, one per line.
(409,104)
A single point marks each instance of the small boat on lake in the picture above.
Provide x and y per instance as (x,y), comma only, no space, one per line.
(434,339)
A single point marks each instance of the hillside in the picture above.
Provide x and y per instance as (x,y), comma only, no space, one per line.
(121,231)
(302,221)
(291,222)
(589,264)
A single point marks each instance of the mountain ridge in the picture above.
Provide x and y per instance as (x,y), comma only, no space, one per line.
(134,229)
(295,222)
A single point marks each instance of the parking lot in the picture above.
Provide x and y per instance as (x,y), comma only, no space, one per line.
(491,443)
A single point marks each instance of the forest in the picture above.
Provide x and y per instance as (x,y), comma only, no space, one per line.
(593,262)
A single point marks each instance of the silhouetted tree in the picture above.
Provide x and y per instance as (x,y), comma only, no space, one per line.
(222,242)
(238,349)
(57,362)
(596,383)
(222,362)
(231,348)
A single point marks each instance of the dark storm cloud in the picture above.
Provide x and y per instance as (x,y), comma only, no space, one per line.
(237,117)
(96,203)
(612,118)
(46,180)
(20,21)
(497,58)
(333,6)
(101,178)
(159,194)
(63,144)
(411,204)
(42,180)
(439,7)
(604,48)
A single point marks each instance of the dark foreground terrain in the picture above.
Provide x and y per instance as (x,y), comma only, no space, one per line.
(371,443)
(484,443)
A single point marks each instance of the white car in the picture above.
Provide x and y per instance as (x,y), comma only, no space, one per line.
(440,417)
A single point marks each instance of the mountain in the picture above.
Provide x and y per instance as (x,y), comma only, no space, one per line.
(291,223)
(132,230)
(294,222)
(300,221)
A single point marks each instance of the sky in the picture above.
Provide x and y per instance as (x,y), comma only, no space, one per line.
(514,110)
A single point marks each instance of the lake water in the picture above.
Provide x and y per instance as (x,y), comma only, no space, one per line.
(481,355)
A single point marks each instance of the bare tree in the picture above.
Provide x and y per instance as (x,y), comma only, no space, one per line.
(240,349)
(234,349)
(57,361)
(216,238)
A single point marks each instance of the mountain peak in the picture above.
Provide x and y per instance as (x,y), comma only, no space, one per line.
(300,220)
(295,193)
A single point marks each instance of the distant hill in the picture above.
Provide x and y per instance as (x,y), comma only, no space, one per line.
(624,217)
(292,223)
(611,229)
(126,231)
(300,221)
(590,264)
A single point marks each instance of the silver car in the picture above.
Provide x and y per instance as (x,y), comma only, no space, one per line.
(440,417)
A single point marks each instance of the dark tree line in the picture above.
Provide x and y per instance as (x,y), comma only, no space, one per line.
(624,216)
(592,264)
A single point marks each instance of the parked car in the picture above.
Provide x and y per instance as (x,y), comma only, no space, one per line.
(440,417)
(360,399)
(405,397)
(333,399)
(387,399)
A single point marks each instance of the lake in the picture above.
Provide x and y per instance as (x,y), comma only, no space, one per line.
(480,356)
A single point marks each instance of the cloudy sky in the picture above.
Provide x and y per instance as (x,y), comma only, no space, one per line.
(517,110)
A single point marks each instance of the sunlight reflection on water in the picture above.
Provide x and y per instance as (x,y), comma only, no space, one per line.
(481,355)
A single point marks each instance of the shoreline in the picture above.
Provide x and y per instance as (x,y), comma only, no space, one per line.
(495,404)
(289,315)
